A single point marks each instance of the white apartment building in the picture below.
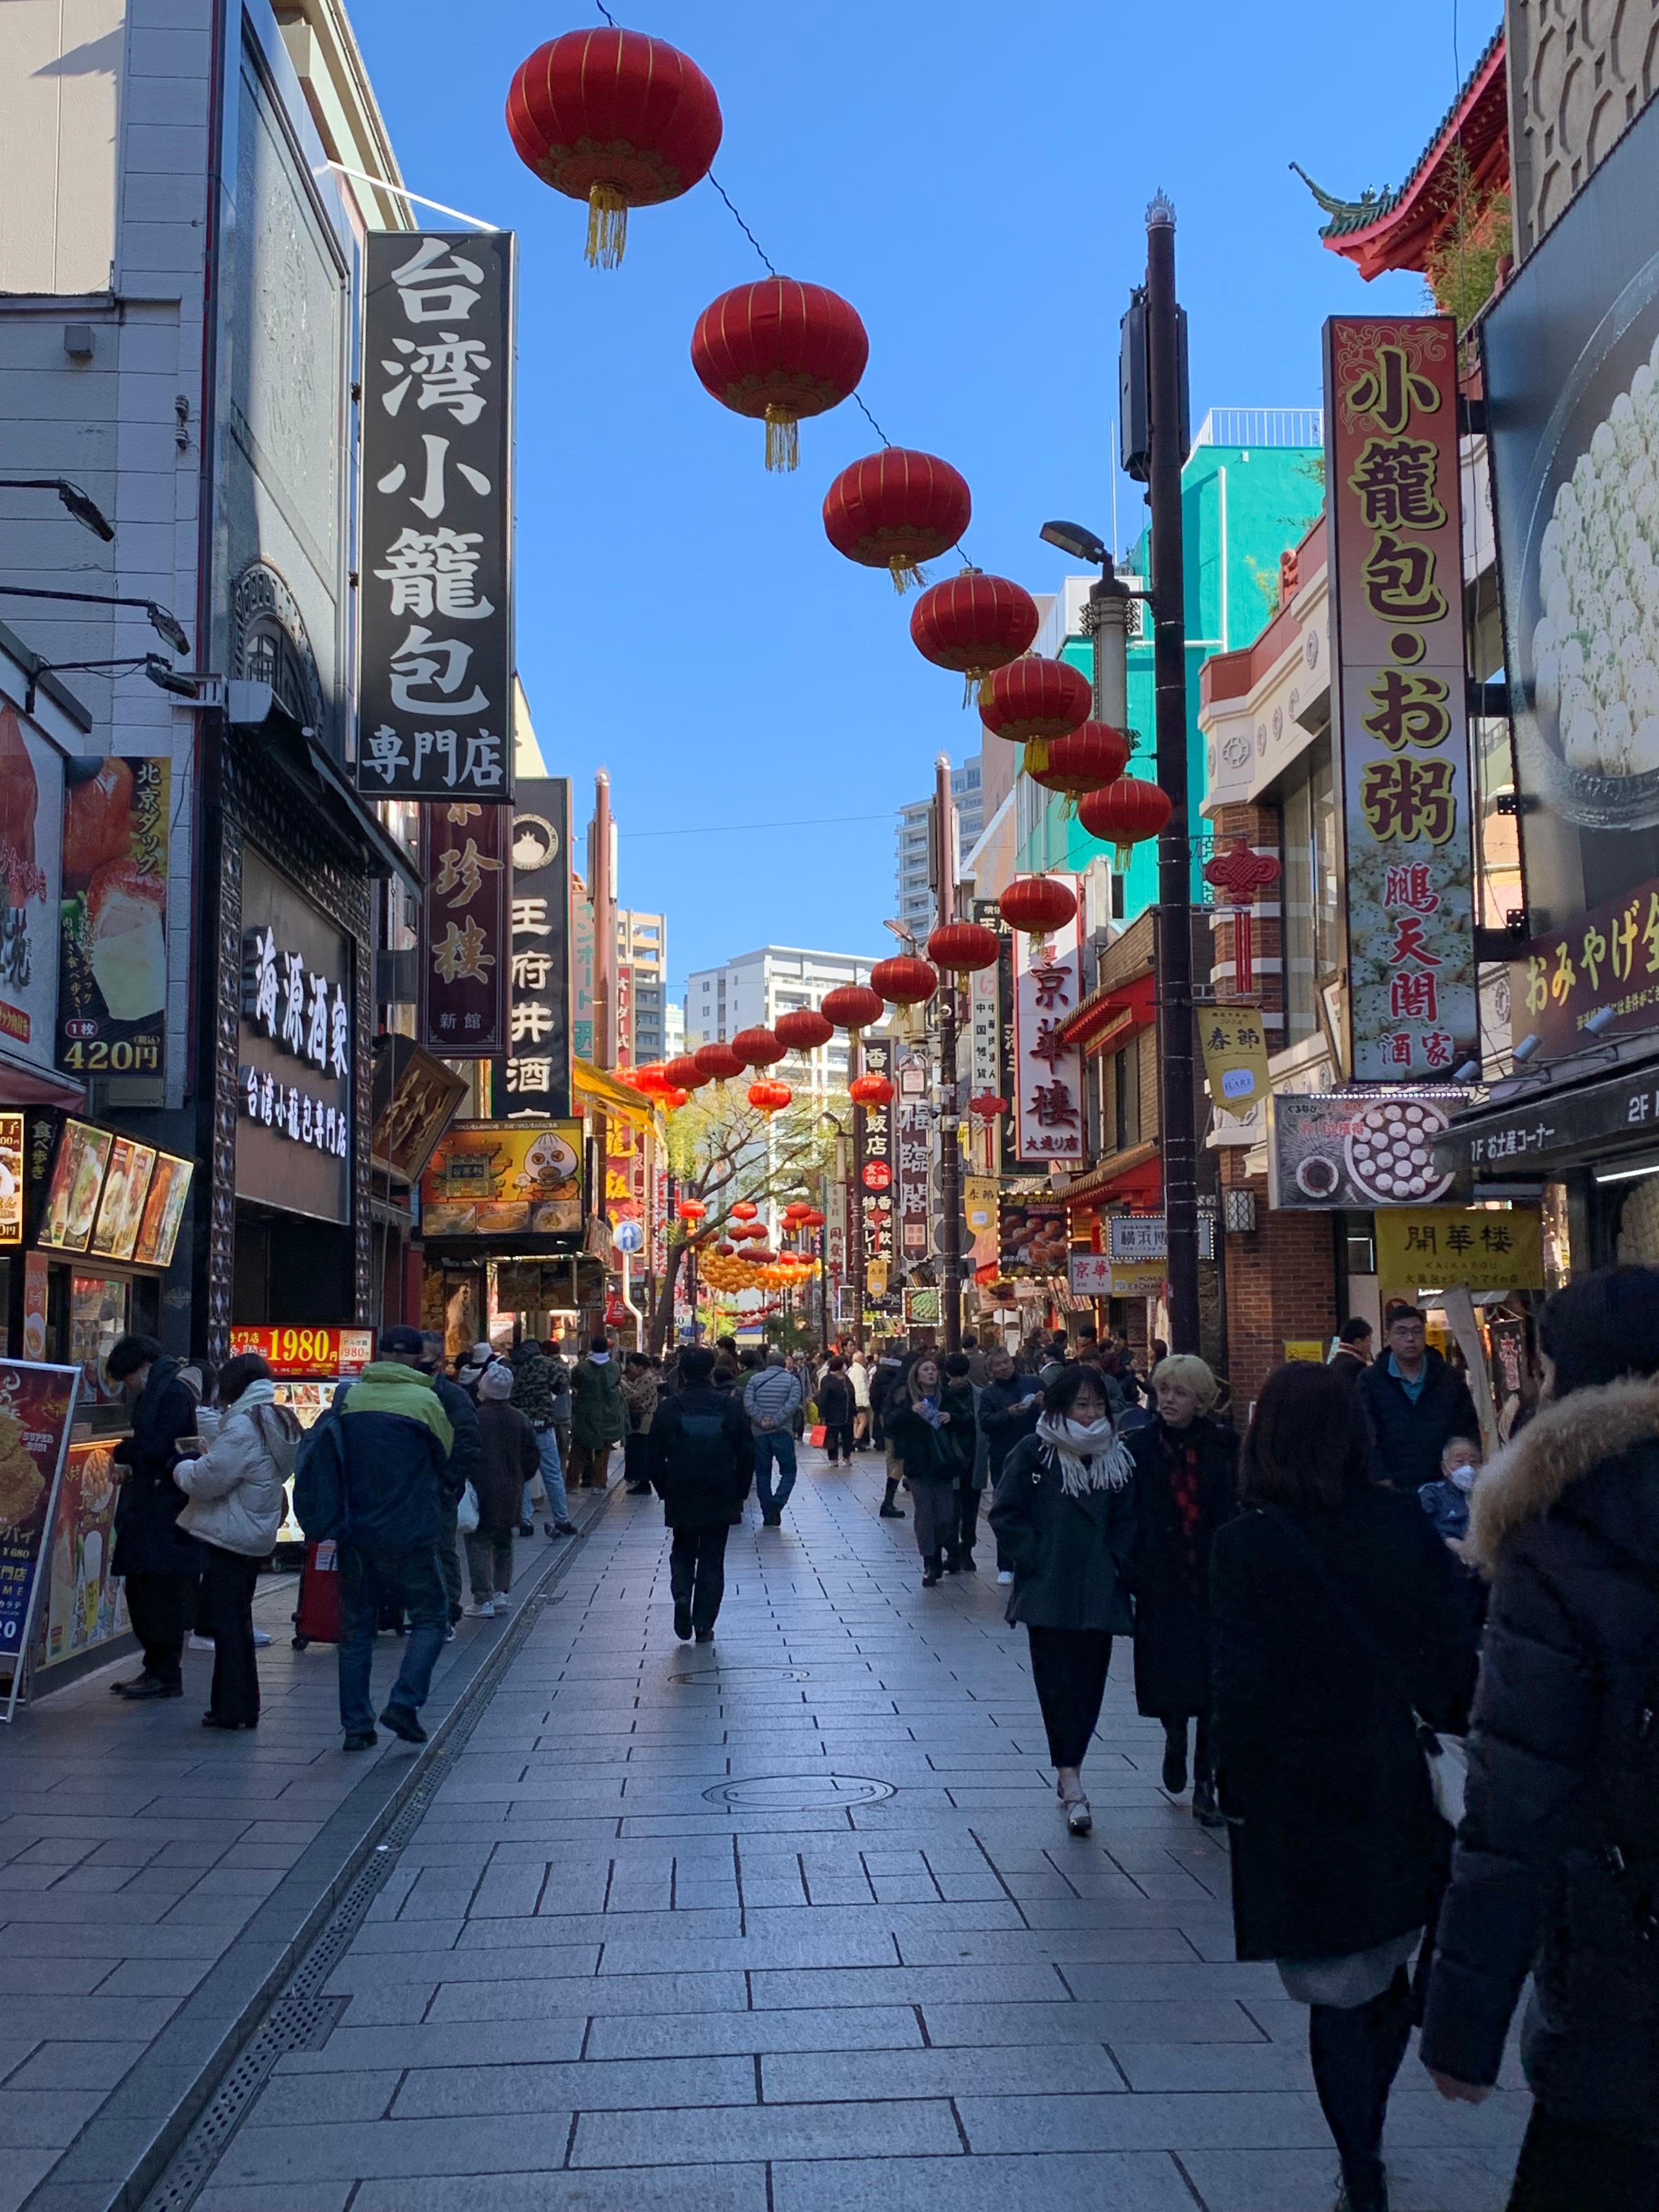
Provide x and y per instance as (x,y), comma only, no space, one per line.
(753,990)
(643,946)
(916,907)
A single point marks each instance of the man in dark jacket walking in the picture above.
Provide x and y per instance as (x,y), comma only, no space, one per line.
(1556,1871)
(1352,1355)
(465,1453)
(701,1453)
(395,1440)
(1414,1402)
(160,1562)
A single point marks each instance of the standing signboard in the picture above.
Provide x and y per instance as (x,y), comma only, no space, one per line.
(1397,633)
(534,1077)
(435,682)
(37,1406)
(466,883)
(1048,1109)
(113,934)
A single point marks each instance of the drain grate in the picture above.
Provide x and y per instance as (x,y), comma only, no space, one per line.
(798,1793)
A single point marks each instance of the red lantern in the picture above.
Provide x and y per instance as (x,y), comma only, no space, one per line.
(1082,760)
(685,1074)
(1037,905)
(769,1098)
(617,119)
(762,1255)
(895,509)
(745,1210)
(854,1006)
(691,1209)
(814,1219)
(803,1031)
(725,1248)
(1125,812)
(988,1106)
(870,1090)
(779,350)
(904,981)
(717,1063)
(974,623)
(1034,701)
(674,1100)
(962,946)
(757,1047)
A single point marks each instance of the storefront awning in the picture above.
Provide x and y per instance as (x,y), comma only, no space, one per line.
(611,1095)
(1133,1177)
(1109,1016)
(23,1085)
(1543,1131)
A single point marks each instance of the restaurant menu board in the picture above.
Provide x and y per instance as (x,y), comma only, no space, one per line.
(37,1404)
(119,1209)
(303,1352)
(112,956)
(11,1178)
(77,1176)
(86,1604)
(504,1179)
(164,1209)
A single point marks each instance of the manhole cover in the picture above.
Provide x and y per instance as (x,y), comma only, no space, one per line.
(715,1676)
(797,1793)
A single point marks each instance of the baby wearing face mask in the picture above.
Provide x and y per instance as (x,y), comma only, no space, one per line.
(1447,1501)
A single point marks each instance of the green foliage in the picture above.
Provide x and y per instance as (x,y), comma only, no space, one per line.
(1462,266)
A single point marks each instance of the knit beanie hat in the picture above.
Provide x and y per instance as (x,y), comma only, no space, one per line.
(496,1381)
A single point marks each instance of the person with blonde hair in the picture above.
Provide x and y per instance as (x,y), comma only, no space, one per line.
(1186,1465)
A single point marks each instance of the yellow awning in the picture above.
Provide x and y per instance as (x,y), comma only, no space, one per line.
(598,1087)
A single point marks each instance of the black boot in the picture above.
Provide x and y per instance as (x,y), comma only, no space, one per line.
(931,1567)
(888,1511)
(1174,1757)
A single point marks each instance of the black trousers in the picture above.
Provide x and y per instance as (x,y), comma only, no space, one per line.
(968,1500)
(161,1608)
(1356,2051)
(636,1459)
(838,1438)
(1566,2167)
(1069,1666)
(228,1583)
(696,1571)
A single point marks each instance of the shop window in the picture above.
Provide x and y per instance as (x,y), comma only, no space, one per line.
(1638,1224)
(1126,1097)
(1309,893)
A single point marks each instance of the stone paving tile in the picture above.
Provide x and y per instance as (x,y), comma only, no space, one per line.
(1150,2182)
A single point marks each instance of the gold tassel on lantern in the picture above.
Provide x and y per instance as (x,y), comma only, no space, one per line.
(607,226)
(782,437)
(1036,756)
(908,575)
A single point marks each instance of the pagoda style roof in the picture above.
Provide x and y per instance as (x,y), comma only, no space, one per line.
(1390,229)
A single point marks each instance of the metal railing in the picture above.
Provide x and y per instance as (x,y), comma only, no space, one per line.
(1262,426)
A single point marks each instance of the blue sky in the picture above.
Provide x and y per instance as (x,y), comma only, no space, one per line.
(979,195)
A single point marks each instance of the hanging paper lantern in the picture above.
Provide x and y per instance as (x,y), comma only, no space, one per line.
(1125,812)
(615,118)
(726,1248)
(814,1219)
(973,623)
(1082,760)
(797,1210)
(904,981)
(779,350)
(962,946)
(685,1074)
(895,509)
(1037,905)
(718,1062)
(988,1106)
(650,1078)
(757,1047)
(691,1209)
(763,1256)
(769,1098)
(870,1090)
(1032,701)
(674,1100)
(854,1006)
(745,1210)
(803,1031)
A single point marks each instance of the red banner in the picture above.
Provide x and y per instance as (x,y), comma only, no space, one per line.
(465,953)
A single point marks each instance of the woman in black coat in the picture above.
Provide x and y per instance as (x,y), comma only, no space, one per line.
(930,1425)
(1186,1487)
(1337,1618)
(160,1563)
(1063,1513)
(1563,1769)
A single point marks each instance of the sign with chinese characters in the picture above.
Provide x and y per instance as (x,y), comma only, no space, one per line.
(1335,1149)
(1089,1274)
(295,1077)
(1397,635)
(979,1215)
(519,1182)
(914,1141)
(11,1179)
(1607,961)
(1049,1110)
(1531,1136)
(876,1198)
(112,935)
(1234,1047)
(435,688)
(466,886)
(37,1406)
(303,1352)
(534,1076)
(1421,1248)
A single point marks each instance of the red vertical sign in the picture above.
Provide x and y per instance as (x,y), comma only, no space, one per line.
(465,952)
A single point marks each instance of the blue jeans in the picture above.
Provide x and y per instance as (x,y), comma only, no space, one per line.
(558,1505)
(409,1579)
(771,1444)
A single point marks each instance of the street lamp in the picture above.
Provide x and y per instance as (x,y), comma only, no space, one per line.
(86,512)
(1105,618)
(167,626)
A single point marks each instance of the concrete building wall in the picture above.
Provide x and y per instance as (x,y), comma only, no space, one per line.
(1580,71)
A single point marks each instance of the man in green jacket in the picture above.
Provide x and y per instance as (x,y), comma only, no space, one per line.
(598,1417)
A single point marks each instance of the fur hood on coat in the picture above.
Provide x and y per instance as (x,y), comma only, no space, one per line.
(1559,1447)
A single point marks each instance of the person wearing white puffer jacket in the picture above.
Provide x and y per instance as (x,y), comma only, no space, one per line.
(235,1492)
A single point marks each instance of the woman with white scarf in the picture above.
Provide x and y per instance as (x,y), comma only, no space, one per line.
(1064,1515)
(235,1509)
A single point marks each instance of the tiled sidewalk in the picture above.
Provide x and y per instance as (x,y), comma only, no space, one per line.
(791,1925)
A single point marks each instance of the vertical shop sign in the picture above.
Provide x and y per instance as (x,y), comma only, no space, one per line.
(913,1147)
(534,1077)
(624,1013)
(466,883)
(31,822)
(876,1198)
(112,938)
(581,964)
(1049,1102)
(1396,598)
(436,691)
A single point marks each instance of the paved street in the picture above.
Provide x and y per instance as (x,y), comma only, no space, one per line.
(790,1923)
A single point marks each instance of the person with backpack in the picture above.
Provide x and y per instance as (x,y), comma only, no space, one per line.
(700,1455)
(1556,1869)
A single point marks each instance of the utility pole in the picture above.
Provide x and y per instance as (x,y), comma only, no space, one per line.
(1174,934)
(950,1122)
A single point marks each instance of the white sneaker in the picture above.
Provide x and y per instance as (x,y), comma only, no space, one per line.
(195,1642)
(500,1602)
(481,1609)
(261,1638)
(1004,1574)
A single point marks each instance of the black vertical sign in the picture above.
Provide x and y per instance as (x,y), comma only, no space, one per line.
(436,684)
(876,1200)
(534,1077)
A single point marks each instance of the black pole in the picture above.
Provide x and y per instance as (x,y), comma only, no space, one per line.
(950,1164)
(1174,936)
